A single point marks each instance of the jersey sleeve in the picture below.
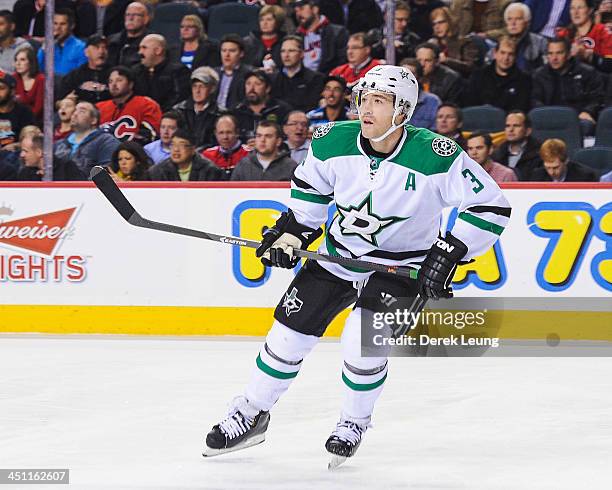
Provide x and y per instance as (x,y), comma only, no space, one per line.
(483,211)
(312,189)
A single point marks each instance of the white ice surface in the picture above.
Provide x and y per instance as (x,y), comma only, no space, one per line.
(132,413)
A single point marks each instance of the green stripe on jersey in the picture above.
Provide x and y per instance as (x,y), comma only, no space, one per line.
(363,387)
(273,372)
(481,223)
(305,196)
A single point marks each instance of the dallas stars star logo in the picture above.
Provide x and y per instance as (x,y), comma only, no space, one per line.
(361,221)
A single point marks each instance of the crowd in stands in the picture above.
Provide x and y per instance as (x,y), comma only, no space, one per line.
(182,106)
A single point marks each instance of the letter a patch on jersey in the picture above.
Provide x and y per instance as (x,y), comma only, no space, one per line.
(292,303)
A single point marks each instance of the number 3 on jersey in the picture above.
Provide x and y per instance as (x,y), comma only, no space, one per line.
(467,173)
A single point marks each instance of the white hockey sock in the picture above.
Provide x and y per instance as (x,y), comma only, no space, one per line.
(277,364)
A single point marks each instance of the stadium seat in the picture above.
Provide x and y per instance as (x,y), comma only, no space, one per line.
(557,122)
(483,118)
(232,18)
(603,133)
(167,20)
(597,157)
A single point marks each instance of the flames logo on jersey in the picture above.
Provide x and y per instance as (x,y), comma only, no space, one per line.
(322,130)
(443,146)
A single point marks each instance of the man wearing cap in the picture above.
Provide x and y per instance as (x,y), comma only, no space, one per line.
(185,164)
(165,81)
(258,106)
(69,52)
(89,81)
(334,108)
(200,111)
(13,115)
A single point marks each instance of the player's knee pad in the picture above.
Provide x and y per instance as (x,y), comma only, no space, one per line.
(285,348)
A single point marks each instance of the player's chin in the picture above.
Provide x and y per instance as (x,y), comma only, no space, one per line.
(368,130)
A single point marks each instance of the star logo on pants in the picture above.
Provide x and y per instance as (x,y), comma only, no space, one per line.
(361,221)
(292,303)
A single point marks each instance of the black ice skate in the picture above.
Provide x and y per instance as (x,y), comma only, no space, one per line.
(344,441)
(241,428)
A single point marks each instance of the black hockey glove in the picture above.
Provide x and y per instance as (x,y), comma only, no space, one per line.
(439,267)
(278,242)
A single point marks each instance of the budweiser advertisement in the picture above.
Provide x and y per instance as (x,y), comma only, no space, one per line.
(32,246)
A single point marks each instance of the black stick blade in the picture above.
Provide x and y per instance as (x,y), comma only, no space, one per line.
(109,188)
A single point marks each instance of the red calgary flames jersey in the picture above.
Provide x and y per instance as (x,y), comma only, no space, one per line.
(137,119)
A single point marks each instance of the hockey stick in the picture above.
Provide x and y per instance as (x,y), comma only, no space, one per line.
(111,191)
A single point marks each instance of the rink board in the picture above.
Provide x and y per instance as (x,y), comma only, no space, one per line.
(70,264)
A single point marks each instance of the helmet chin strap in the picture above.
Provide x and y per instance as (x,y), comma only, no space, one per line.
(392,128)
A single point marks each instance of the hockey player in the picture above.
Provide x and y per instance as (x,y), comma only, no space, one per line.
(390,182)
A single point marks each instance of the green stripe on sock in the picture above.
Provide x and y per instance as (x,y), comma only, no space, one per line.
(305,196)
(481,223)
(362,387)
(273,372)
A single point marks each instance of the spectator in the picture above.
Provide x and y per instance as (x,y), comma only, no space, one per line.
(13,115)
(127,116)
(165,81)
(9,44)
(355,15)
(405,39)
(231,72)
(69,52)
(438,79)
(262,46)
(30,17)
(296,132)
(589,39)
(267,162)
(520,151)
(129,162)
(449,120)
(485,18)
(123,46)
(33,168)
(114,15)
(479,148)
(568,82)
(530,47)
(557,166)
(547,15)
(360,61)
(258,106)
(334,103)
(500,83)
(159,150)
(89,82)
(295,84)
(29,81)
(200,111)
(458,53)
(230,149)
(424,115)
(184,163)
(65,109)
(324,42)
(420,20)
(195,49)
(87,145)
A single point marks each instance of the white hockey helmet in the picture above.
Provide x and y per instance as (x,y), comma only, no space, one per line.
(389,79)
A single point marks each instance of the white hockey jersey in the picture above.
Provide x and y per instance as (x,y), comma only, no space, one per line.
(389,211)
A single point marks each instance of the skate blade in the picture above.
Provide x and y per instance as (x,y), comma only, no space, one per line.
(253,441)
(335,461)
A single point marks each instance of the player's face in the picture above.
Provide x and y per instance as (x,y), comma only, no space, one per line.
(401,20)
(266,141)
(478,150)
(515,129)
(504,56)
(516,23)
(333,93)
(199,92)
(555,168)
(181,151)
(61,27)
(30,155)
(230,55)
(427,60)
(375,113)
(118,85)
(127,162)
(22,64)
(557,55)
(296,128)
(167,128)
(447,123)
(580,12)
(291,54)
(226,133)
(66,109)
